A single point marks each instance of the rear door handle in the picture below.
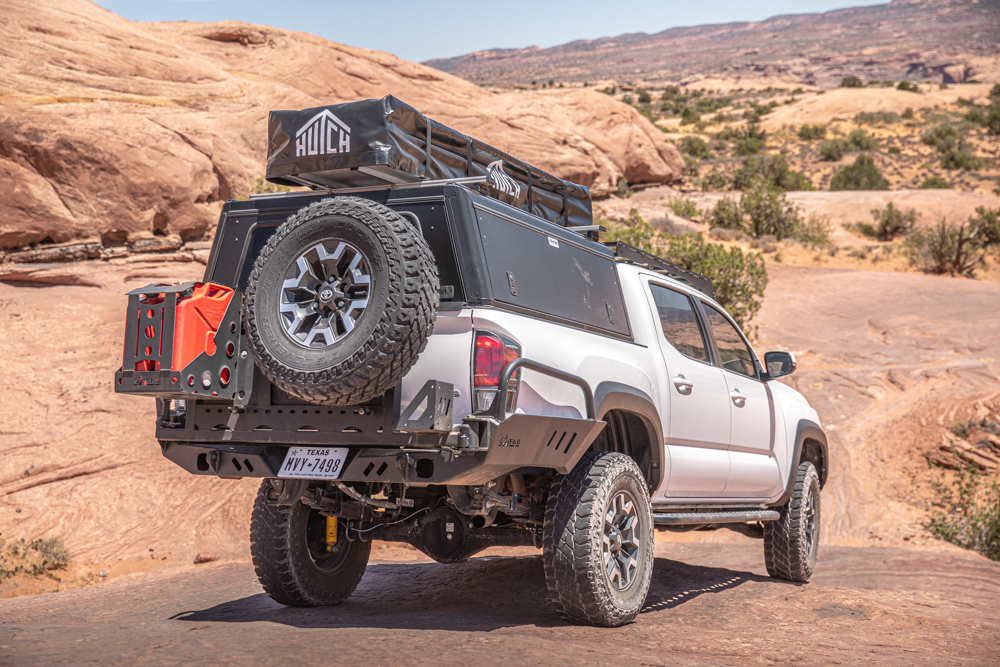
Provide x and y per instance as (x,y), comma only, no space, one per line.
(737,397)
(681,383)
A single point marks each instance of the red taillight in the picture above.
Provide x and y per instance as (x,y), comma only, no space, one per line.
(491,357)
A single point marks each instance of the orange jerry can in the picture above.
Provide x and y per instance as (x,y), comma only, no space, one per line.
(196,320)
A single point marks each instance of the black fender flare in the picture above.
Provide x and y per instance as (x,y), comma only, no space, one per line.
(806,430)
(616,396)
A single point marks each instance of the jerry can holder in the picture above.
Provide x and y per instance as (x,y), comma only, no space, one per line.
(146,370)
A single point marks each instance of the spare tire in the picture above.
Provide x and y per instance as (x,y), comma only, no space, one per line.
(342,299)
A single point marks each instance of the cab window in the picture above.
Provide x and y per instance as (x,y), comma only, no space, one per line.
(680,324)
(734,353)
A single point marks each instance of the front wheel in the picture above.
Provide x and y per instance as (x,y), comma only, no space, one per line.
(598,541)
(295,561)
(792,542)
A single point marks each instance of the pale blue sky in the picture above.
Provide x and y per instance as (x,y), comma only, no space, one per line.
(414,31)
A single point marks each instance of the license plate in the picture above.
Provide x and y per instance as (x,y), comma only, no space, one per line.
(313,462)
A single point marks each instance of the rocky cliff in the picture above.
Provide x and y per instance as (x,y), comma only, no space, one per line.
(112,129)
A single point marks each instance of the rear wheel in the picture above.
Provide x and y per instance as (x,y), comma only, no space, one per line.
(598,541)
(293,560)
(792,542)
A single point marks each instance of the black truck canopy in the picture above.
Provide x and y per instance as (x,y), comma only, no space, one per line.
(379,142)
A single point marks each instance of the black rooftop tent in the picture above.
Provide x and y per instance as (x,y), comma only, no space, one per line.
(378,142)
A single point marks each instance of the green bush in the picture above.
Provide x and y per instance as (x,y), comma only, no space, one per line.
(993,120)
(948,248)
(769,211)
(862,175)
(942,137)
(815,230)
(832,151)
(812,132)
(976,116)
(851,82)
(889,222)
(955,158)
(696,147)
(995,93)
(876,118)
(772,168)
(749,146)
(908,113)
(624,191)
(967,512)
(739,278)
(727,214)
(715,180)
(688,116)
(935,183)
(908,87)
(859,140)
(643,96)
(670,92)
(682,206)
(987,222)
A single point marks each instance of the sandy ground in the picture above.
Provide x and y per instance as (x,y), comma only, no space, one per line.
(708,605)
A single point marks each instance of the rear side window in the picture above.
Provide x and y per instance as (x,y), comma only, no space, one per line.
(733,352)
(680,324)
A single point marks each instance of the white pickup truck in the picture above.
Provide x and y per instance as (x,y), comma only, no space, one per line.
(439,362)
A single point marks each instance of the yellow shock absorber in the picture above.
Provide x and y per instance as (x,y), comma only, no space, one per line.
(331,532)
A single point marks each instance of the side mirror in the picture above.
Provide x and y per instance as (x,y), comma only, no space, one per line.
(779,364)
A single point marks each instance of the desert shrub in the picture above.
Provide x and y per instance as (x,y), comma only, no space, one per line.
(864,174)
(691,166)
(832,151)
(942,137)
(727,214)
(772,168)
(888,223)
(812,132)
(967,512)
(908,113)
(876,118)
(851,82)
(768,211)
(987,222)
(260,186)
(947,248)
(635,231)
(715,180)
(859,140)
(683,207)
(643,96)
(956,158)
(894,150)
(688,116)
(624,191)
(815,230)
(36,558)
(739,278)
(908,87)
(992,122)
(670,92)
(750,140)
(627,98)
(696,147)
(976,116)
(935,183)
(995,93)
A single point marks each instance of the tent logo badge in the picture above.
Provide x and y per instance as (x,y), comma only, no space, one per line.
(501,181)
(324,134)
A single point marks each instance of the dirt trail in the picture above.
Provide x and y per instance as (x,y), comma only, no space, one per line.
(709,605)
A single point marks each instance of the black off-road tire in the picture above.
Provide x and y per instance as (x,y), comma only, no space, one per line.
(572,544)
(284,559)
(388,336)
(792,542)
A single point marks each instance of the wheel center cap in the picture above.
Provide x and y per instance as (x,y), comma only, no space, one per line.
(326,294)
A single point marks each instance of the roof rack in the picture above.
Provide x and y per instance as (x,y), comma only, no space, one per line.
(625,252)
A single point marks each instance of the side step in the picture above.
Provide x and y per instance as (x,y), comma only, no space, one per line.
(693,518)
